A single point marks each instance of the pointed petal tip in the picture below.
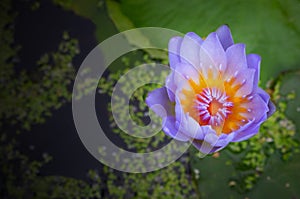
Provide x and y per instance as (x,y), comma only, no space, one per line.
(195,37)
(272,109)
(189,49)
(159,102)
(238,47)
(253,56)
(174,44)
(174,48)
(223,29)
(150,97)
(253,61)
(212,52)
(224,34)
(175,39)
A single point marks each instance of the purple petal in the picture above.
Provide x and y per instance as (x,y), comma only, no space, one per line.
(174,49)
(189,50)
(266,97)
(192,129)
(212,53)
(171,86)
(181,85)
(170,129)
(225,36)
(260,111)
(245,135)
(245,77)
(195,37)
(236,59)
(253,61)
(246,132)
(212,143)
(204,147)
(159,102)
(272,108)
(202,131)
(224,140)
(184,71)
(257,109)
(187,125)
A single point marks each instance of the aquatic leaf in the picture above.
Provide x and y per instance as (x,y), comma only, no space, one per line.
(269,28)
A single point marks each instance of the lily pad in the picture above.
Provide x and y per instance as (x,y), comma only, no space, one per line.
(290,85)
(268,28)
(280,180)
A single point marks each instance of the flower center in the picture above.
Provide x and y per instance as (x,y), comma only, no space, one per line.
(212,107)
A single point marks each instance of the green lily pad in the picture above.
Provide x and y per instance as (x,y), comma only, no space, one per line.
(290,85)
(280,179)
(268,28)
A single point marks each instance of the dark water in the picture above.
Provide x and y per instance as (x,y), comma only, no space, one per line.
(38,32)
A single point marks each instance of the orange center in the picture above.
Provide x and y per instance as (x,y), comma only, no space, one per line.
(213,101)
(214,107)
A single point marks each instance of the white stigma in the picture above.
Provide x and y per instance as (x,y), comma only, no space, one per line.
(213,106)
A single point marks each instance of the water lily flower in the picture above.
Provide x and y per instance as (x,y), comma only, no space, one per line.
(211,97)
